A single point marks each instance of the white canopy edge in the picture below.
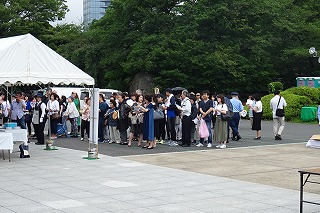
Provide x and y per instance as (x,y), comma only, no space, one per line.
(24,60)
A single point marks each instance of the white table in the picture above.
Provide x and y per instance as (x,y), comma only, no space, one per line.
(6,142)
(18,135)
(313,143)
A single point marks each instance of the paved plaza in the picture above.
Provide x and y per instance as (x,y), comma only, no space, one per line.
(243,178)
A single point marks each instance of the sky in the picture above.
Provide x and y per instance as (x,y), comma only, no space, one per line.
(75,15)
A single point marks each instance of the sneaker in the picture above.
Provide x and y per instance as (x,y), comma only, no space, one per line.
(81,139)
(223,146)
(161,142)
(110,142)
(218,146)
(194,142)
(199,145)
(209,145)
(174,143)
(169,142)
(278,137)
(100,141)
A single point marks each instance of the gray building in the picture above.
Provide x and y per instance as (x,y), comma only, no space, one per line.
(94,10)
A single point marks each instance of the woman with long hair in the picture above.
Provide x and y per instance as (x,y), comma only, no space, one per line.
(6,108)
(148,122)
(85,118)
(221,127)
(257,115)
(53,108)
(63,108)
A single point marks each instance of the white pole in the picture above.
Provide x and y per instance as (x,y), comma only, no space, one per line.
(94,119)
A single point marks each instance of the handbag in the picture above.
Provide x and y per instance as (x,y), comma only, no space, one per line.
(24,151)
(279,112)
(55,116)
(203,129)
(158,114)
(226,117)
(115,115)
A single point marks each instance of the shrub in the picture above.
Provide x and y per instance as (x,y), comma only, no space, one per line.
(294,105)
(312,93)
(275,86)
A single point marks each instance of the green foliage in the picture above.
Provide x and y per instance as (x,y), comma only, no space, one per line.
(312,93)
(275,86)
(293,109)
(29,16)
(217,45)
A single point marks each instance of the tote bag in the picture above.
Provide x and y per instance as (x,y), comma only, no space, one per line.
(203,130)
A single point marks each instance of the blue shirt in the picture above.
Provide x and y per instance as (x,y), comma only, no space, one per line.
(237,105)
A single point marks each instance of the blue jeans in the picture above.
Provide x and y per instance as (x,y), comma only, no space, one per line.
(64,125)
(208,123)
(21,122)
(234,124)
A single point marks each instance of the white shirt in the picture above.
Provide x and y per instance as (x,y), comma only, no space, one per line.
(222,107)
(274,103)
(167,104)
(130,102)
(186,107)
(6,107)
(54,106)
(72,110)
(258,105)
(251,103)
(43,113)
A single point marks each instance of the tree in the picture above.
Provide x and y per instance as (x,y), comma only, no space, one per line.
(29,16)
(200,44)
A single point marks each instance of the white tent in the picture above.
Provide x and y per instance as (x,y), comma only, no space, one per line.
(26,60)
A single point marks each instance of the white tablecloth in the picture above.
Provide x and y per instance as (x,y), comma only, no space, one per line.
(6,141)
(18,135)
(313,143)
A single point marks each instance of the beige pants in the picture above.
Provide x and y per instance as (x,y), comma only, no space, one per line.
(114,134)
(278,125)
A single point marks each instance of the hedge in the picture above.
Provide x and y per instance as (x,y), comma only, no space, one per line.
(294,105)
(312,93)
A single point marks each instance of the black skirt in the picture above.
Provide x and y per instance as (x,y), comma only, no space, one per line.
(256,124)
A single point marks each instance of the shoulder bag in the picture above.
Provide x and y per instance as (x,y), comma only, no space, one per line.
(226,117)
(279,112)
(158,114)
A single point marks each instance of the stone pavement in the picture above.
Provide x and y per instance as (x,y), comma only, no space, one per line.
(61,181)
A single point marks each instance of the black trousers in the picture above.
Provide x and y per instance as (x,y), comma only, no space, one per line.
(162,129)
(38,129)
(186,130)
(172,129)
(85,125)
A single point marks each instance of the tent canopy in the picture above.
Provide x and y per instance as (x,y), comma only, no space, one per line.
(26,60)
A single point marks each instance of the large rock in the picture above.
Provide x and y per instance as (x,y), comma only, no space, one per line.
(142,81)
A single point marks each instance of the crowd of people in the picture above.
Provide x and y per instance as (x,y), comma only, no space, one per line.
(181,119)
